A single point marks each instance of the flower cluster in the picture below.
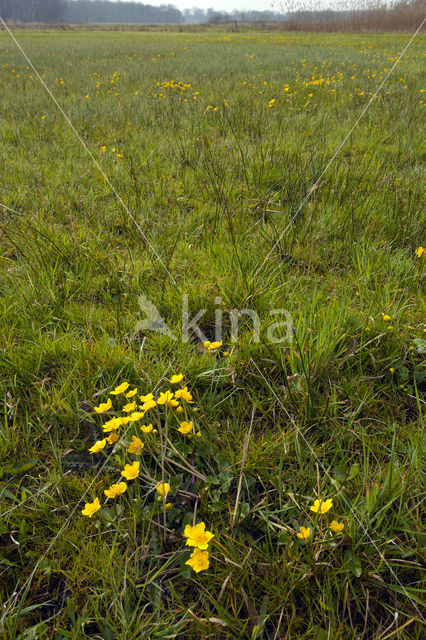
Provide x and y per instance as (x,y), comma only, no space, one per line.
(183,90)
(173,413)
(199,538)
(321,507)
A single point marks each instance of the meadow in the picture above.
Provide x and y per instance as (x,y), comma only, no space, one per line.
(241,171)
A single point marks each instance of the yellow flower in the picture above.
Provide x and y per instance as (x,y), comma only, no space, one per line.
(163,489)
(322,506)
(185,394)
(167,398)
(176,378)
(146,398)
(131,393)
(120,389)
(149,404)
(420,251)
(336,527)
(179,410)
(197,536)
(98,446)
(186,427)
(136,445)
(199,560)
(212,345)
(386,318)
(304,533)
(131,406)
(136,416)
(104,406)
(146,428)
(113,437)
(112,424)
(131,471)
(91,507)
(271,102)
(115,490)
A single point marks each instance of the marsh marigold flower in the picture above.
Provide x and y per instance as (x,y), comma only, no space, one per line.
(167,398)
(129,407)
(336,527)
(131,471)
(136,416)
(197,536)
(210,346)
(146,428)
(420,251)
(91,507)
(120,389)
(104,406)
(322,506)
(113,437)
(149,404)
(131,393)
(111,425)
(185,394)
(115,490)
(386,318)
(199,560)
(304,533)
(98,446)
(147,398)
(136,445)
(186,427)
(163,489)
(176,378)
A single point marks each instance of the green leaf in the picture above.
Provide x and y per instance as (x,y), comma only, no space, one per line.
(421,345)
(353,563)
(14,468)
(71,611)
(185,569)
(353,471)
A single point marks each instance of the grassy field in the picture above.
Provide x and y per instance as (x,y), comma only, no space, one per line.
(244,171)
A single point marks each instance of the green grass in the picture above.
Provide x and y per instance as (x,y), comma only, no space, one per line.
(224,207)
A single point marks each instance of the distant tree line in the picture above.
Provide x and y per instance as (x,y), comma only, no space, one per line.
(198,16)
(32,10)
(105,11)
(87,11)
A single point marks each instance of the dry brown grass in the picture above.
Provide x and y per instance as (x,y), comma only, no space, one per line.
(400,19)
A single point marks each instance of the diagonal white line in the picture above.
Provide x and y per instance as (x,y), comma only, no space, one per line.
(338,149)
(347,503)
(86,148)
